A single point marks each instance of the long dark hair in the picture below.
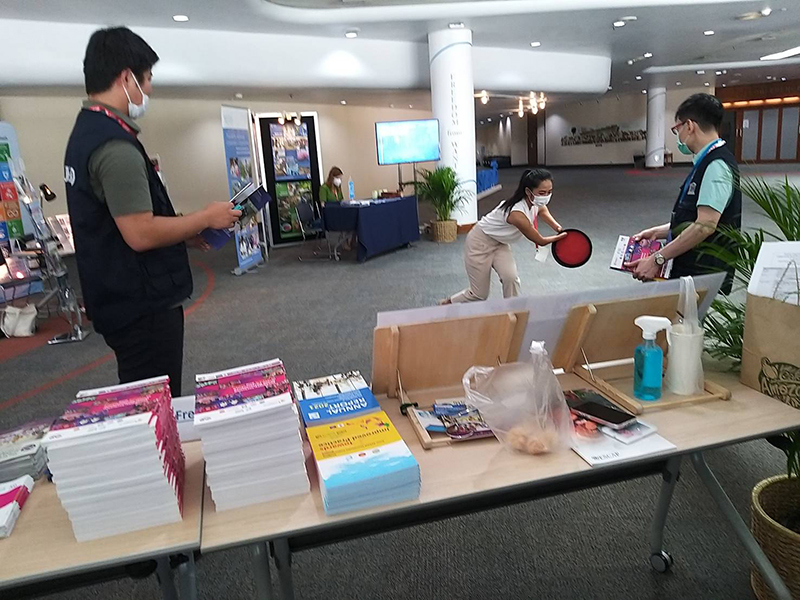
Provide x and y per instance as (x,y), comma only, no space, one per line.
(530,179)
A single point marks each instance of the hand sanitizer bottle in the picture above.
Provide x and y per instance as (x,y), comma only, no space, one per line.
(351,188)
(648,359)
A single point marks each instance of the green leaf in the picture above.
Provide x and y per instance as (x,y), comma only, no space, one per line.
(442,189)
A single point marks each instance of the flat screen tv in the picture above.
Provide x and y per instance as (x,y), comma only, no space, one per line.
(401,142)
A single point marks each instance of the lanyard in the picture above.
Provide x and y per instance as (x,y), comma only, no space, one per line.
(718,144)
(110,115)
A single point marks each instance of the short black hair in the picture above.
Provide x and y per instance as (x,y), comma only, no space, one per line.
(112,51)
(704,109)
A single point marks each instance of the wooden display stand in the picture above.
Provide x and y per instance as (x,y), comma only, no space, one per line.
(424,362)
(605,332)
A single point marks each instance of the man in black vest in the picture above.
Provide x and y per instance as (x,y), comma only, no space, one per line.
(129,243)
(709,197)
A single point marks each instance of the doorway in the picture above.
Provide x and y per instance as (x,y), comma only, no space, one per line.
(533,140)
(767,134)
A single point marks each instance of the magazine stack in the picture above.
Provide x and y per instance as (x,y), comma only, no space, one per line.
(334,398)
(116,459)
(12,498)
(250,432)
(21,451)
(363,462)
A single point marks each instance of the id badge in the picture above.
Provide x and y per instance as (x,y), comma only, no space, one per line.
(542,252)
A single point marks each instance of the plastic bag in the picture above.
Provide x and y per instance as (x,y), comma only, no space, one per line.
(19,322)
(685,358)
(522,403)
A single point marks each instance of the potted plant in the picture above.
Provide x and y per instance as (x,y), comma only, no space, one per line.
(775,502)
(442,189)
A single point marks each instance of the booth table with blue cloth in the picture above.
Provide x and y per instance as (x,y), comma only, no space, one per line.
(381,225)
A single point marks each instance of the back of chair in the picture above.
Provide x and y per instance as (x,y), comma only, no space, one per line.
(305,214)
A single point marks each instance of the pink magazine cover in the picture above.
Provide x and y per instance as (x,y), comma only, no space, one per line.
(629,250)
(240,386)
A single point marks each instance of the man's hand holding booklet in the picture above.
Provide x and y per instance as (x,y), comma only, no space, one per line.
(629,250)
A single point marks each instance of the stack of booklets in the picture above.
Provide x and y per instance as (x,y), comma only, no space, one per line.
(116,459)
(334,398)
(21,451)
(12,498)
(363,462)
(629,250)
(250,433)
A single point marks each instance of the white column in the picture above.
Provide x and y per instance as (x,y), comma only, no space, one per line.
(656,128)
(452,89)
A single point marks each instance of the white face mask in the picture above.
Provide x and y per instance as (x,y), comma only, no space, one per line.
(136,111)
(337,181)
(542,200)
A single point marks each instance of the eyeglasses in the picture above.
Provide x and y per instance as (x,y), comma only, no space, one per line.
(676,128)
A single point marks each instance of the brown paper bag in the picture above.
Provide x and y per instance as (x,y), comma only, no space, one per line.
(771,349)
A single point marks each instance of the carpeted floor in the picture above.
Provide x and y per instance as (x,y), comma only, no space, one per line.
(318,317)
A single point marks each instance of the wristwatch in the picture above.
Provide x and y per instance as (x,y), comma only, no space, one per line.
(659,258)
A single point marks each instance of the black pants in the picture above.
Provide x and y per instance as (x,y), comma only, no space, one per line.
(151,346)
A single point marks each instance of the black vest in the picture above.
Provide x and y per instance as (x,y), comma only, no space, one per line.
(696,261)
(119,284)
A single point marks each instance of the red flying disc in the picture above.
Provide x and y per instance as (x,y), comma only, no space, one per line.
(573,251)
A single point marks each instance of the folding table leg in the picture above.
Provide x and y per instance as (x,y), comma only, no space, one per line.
(187,578)
(164,575)
(259,554)
(283,562)
(727,508)
(660,559)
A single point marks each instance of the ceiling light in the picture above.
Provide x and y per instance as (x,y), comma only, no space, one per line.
(783,78)
(765,12)
(709,32)
(706,84)
(391,106)
(648,55)
(351,34)
(644,91)
(630,18)
(724,85)
(677,83)
(718,73)
(342,102)
(630,61)
(410,106)
(484,97)
(769,76)
(770,37)
(535,109)
(638,78)
(701,72)
(456,25)
(180,18)
(281,120)
(489,119)
(618,24)
(609,87)
(501,115)
(535,44)
(238,96)
(785,54)
(749,16)
(481,122)
(542,104)
(625,82)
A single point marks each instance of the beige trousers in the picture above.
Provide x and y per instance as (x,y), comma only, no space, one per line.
(482,254)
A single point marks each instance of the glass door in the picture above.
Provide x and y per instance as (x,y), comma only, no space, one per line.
(750,134)
(789,132)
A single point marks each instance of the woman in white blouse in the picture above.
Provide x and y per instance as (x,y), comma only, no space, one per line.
(487,246)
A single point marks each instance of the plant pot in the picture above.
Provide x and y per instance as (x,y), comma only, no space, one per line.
(776,498)
(444,231)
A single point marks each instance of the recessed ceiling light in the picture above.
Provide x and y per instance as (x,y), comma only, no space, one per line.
(489,119)
(609,87)
(717,72)
(238,96)
(630,61)
(648,55)
(706,84)
(678,83)
(770,37)
(766,12)
(456,25)
(351,34)
(629,18)
(625,82)
(535,44)
(644,91)
(638,78)
(783,78)
(701,72)
(709,32)
(481,122)
(724,85)
(180,18)
(769,76)
(785,54)
(342,102)
(501,115)
(618,24)
(410,106)
(749,16)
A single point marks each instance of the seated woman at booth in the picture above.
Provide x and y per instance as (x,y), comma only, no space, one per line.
(331,190)
(488,243)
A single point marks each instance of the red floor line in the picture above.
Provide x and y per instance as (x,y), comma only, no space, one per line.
(104,359)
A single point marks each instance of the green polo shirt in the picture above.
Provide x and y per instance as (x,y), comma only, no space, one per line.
(118,172)
(327,194)
(717,188)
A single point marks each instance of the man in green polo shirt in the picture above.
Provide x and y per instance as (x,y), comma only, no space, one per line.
(130,244)
(709,198)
